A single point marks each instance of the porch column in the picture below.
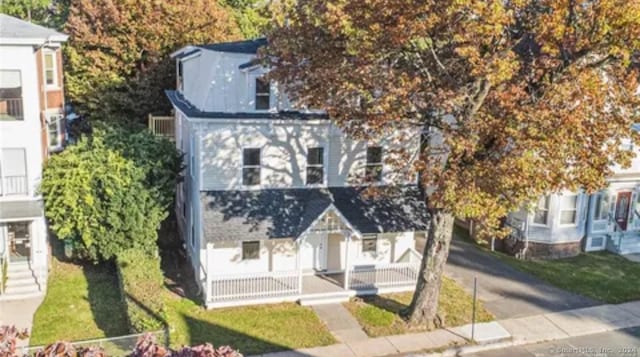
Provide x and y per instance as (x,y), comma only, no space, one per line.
(299,264)
(347,268)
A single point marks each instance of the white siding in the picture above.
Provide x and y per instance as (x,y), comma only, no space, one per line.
(25,134)
(226,258)
(284,148)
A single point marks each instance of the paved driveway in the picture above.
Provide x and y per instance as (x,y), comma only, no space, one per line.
(506,292)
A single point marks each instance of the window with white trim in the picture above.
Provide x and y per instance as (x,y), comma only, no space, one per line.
(263,94)
(568,209)
(50,78)
(315,166)
(251,167)
(251,250)
(373,169)
(601,207)
(541,214)
(370,243)
(54,130)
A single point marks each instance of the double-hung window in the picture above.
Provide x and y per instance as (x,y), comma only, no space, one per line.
(13,172)
(315,166)
(251,250)
(373,168)
(568,209)
(54,131)
(541,214)
(10,95)
(602,207)
(50,69)
(263,94)
(251,167)
(369,243)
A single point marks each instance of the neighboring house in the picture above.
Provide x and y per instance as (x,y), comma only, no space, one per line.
(272,206)
(565,224)
(31,126)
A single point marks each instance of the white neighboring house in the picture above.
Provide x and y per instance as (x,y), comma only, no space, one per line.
(271,208)
(31,125)
(565,224)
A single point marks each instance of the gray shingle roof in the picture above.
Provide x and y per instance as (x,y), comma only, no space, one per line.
(191,111)
(248,46)
(14,28)
(286,213)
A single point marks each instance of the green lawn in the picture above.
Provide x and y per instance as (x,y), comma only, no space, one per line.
(82,303)
(250,329)
(379,315)
(602,276)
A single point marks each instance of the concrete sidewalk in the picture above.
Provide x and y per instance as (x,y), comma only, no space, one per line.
(492,335)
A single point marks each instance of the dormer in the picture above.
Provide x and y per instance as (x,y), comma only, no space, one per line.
(227,78)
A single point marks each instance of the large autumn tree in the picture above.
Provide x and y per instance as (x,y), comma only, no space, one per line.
(517,97)
(118,63)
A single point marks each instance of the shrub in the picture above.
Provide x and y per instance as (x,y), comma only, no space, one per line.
(94,194)
(141,285)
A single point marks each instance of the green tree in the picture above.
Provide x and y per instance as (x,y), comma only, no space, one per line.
(251,16)
(48,13)
(521,97)
(118,63)
(96,195)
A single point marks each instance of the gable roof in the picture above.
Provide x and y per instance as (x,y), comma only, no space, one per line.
(247,46)
(181,103)
(286,213)
(16,31)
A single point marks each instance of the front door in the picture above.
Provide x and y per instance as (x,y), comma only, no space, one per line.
(622,209)
(19,234)
(314,251)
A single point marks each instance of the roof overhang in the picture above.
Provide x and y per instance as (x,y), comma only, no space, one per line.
(21,211)
(55,40)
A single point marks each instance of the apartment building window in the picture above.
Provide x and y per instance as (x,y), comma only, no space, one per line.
(601,207)
(315,166)
(369,243)
(11,95)
(54,131)
(373,169)
(568,209)
(263,93)
(251,250)
(13,172)
(50,69)
(251,167)
(541,214)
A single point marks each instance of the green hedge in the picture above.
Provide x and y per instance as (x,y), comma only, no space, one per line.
(141,285)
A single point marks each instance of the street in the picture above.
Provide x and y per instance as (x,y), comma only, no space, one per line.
(623,343)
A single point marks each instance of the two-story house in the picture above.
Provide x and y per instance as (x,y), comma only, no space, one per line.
(31,126)
(274,205)
(567,223)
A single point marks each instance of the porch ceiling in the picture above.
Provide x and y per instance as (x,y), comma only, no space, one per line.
(21,210)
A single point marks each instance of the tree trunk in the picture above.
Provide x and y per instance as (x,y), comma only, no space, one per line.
(424,305)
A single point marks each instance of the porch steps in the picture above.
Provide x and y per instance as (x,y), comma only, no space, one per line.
(325,298)
(21,283)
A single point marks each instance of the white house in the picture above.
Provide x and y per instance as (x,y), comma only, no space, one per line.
(564,224)
(31,125)
(274,206)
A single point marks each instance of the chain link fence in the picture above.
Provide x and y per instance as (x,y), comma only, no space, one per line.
(112,346)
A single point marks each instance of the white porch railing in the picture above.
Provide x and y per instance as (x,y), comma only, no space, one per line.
(254,286)
(383,275)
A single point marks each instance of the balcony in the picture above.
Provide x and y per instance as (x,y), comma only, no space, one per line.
(11,109)
(13,185)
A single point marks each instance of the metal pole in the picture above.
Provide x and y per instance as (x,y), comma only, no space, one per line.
(473,314)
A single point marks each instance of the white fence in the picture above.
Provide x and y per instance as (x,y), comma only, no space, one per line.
(254,286)
(383,275)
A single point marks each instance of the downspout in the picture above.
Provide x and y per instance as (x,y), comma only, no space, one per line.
(587,224)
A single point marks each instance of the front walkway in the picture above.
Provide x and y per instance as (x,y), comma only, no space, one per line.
(505,291)
(342,325)
(20,314)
